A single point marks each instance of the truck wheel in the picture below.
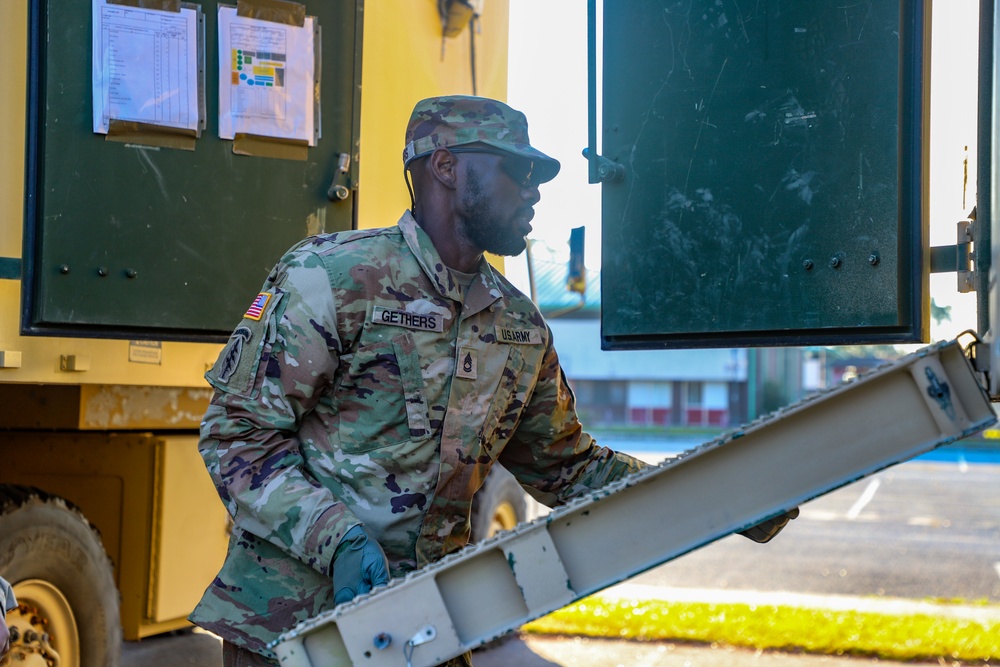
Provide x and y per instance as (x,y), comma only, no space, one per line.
(498,505)
(62,578)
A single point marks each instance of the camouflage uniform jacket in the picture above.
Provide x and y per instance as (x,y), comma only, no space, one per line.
(365,385)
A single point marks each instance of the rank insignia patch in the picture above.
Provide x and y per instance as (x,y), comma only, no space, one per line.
(468,363)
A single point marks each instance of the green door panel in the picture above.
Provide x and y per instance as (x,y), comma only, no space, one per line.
(773,164)
(131,241)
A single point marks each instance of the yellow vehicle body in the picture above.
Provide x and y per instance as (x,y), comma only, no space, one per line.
(111,425)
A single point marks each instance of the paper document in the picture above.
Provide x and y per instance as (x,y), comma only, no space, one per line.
(145,65)
(266,78)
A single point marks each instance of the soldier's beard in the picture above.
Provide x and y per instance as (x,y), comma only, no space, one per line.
(484,227)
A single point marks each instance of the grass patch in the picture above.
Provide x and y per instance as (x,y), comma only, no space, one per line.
(890,637)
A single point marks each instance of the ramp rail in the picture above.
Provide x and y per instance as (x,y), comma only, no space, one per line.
(925,400)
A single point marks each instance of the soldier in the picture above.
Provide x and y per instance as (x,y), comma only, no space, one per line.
(377,377)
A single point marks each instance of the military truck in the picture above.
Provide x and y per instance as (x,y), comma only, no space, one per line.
(127,255)
(763,179)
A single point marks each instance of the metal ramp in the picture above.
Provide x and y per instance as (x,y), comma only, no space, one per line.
(924,400)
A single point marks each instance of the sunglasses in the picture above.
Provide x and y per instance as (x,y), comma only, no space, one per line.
(518,169)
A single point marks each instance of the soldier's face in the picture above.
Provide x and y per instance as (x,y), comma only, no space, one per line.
(498,202)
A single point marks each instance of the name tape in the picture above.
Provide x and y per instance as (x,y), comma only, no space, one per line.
(404,318)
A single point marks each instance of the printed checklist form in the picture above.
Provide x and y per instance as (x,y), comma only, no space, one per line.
(145,66)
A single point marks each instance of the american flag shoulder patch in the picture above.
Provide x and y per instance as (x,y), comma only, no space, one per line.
(256,309)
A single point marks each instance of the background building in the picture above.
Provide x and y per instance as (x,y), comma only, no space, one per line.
(716,387)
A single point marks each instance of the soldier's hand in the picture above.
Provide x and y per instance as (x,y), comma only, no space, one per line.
(766,530)
(4,635)
(359,565)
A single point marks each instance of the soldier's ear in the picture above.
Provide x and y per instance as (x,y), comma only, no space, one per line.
(444,167)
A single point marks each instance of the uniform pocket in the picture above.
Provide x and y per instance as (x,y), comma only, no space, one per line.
(413,386)
(380,398)
(506,406)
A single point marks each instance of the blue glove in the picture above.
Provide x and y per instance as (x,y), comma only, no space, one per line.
(766,530)
(359,564)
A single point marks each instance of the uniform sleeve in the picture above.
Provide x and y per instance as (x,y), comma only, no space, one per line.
(273,371)
(550,454)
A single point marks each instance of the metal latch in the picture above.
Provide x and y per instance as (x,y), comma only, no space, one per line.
(606,171)
(424,635)
(958,257)
(339,191)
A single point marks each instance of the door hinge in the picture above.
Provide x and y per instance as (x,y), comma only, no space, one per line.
(958,257)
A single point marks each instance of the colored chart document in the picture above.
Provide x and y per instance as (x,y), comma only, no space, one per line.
(145,66)
(266,78)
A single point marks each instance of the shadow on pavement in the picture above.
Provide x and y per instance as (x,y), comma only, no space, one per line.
(195,648)
(183,648)
(512,651)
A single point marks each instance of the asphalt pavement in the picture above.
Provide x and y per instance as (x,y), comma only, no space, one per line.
(581,652)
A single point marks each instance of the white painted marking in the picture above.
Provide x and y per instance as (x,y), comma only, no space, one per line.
(827,515)
(865,498)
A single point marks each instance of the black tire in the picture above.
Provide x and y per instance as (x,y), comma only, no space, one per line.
(53,556)
(498,505)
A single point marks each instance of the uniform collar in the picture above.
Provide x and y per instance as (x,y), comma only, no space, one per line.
(483,292)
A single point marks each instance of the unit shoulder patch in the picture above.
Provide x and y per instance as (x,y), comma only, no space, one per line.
(233,352)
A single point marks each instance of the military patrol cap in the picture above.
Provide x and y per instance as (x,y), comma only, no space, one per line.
(460,120)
